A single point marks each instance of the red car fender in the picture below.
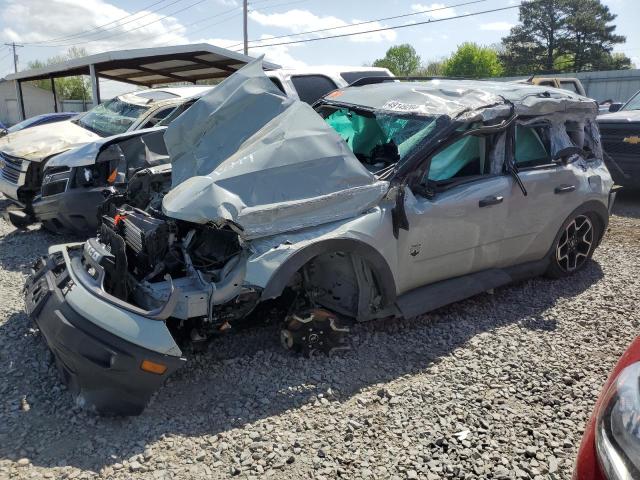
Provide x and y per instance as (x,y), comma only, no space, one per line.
(587,466)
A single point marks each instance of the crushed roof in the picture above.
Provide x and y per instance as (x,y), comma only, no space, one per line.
(465,99)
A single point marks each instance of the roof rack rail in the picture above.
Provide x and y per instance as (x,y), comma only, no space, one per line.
(379,79)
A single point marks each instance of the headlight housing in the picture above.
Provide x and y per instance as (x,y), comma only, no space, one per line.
(618,426)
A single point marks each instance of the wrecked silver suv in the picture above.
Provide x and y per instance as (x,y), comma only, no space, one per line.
(385,200)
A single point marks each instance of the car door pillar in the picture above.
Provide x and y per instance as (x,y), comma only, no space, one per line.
(55,98)
(95,85)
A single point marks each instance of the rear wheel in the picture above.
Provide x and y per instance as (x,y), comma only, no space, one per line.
(574,245)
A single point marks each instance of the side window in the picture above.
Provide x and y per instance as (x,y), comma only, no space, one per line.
(466,157)
(276,81)
(571,86)
(312,87)
(547,83)
(158,117)
(532,147)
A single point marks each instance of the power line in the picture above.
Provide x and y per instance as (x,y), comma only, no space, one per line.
(100,28)
(217,15)
(363,23)
(407,25)
(126,31)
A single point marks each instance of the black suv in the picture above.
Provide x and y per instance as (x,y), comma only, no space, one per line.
(620,134)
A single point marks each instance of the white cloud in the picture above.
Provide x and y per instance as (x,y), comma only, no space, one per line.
(279,54)
(298,21)
(497,26)
(59,21)
(437,10)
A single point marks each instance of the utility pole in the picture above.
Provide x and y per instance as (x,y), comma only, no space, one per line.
(13,45)
(18,86)
(244,25)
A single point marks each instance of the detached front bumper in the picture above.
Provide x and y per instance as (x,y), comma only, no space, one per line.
(102,369)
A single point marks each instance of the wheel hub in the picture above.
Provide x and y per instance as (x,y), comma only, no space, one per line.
(312,332)
(575,244)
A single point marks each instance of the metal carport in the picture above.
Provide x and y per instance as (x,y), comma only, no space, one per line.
(142,66)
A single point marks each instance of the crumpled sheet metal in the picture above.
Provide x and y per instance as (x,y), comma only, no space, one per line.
(466,100)
(40,142)
(290,172)
(215,126)
(88,154)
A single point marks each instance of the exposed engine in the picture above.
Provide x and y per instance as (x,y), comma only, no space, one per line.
(149,247)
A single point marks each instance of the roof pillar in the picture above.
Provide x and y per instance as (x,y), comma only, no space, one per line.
(95,85)
(20,99)
(55,98)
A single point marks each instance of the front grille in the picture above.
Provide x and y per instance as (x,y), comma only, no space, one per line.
(11,167)
(613,139)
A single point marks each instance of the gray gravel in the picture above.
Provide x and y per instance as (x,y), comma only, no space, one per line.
(498,386)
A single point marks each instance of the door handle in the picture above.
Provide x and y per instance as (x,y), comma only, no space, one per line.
(564,189)
(493,200)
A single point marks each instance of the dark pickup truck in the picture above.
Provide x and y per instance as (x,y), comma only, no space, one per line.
(620,134)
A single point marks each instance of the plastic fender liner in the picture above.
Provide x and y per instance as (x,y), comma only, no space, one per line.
(380,267)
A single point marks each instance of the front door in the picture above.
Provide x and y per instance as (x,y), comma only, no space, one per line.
(460,228)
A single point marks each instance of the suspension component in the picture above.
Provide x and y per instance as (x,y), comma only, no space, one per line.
(313,331)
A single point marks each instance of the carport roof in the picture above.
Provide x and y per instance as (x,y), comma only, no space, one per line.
(149,66)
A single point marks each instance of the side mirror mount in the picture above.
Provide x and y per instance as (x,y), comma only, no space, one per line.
(615,107)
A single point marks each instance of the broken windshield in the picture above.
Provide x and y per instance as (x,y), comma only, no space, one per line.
(112,117)
(378,139)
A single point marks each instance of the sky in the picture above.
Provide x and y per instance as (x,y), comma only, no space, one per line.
(49,27)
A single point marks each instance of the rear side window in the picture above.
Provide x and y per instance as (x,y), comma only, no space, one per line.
(311,88)
(571,86)
(532,146)
(351,77)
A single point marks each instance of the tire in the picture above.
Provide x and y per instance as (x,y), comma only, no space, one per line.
(574,245)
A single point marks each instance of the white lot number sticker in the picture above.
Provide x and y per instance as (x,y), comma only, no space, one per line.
(400,107)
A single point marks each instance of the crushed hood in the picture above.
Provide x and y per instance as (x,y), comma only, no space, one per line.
(39,143)
(247,155)
(87,154)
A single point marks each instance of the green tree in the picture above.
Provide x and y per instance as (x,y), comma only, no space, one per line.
(616,61)
(402,60)
(590,36)
(560,35)
(433,68)
(473,60)
(67,88)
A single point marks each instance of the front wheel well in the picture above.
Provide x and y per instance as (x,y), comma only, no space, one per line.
(333,268)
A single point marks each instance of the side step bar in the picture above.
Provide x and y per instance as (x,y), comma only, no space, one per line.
(430,297)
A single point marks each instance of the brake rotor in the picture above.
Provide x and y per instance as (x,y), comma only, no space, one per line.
(312,332)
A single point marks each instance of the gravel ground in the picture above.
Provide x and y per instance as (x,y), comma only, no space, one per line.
(498,386)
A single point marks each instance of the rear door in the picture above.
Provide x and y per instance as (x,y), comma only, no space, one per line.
(552,194)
